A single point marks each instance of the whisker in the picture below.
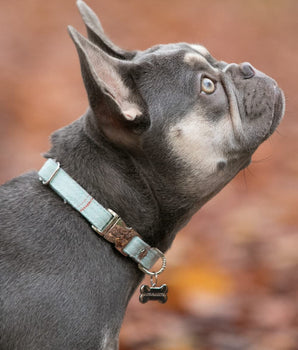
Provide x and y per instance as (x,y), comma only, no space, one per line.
(250,172)
(244,178)
(279,133)
(262,159)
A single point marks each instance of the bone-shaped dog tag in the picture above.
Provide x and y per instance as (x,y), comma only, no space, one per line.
(153,293)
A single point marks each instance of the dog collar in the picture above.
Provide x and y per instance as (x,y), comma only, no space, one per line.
(104,222)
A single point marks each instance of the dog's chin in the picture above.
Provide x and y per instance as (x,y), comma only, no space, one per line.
(278,112)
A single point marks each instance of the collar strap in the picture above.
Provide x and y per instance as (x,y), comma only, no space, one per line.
(103,221)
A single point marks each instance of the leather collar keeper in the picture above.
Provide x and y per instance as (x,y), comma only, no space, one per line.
(104,222)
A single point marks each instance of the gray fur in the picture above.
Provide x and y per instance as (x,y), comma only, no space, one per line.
(63,287)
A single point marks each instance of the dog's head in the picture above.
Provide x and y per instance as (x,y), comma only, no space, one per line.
(197,119)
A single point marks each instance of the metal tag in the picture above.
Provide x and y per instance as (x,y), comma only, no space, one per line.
(153,293)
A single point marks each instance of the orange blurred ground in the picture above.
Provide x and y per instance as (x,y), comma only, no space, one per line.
(232,272)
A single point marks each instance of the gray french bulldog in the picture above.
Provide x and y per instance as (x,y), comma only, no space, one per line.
(167,129)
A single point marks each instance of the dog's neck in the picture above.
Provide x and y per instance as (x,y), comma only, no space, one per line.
(125,182)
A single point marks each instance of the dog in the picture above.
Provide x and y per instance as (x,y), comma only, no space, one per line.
(166,129)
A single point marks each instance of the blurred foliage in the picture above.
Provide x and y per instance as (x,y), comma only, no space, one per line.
(232,272)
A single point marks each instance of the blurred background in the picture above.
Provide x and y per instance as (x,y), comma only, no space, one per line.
(232,272)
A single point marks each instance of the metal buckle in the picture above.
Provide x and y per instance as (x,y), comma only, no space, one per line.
(119,237)
(52,176)
(115,220)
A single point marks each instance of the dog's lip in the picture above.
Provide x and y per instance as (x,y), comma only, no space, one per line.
(278,111)
(234,106)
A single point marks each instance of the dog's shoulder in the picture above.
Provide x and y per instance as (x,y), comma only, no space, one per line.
(21,202)
(17,188)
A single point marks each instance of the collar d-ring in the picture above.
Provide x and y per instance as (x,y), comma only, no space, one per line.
(163,265)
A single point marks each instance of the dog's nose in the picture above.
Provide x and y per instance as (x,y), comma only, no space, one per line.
(247,70)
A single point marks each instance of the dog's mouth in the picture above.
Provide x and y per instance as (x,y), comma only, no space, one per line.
(254,116)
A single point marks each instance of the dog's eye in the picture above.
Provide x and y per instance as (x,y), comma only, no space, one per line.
(207,86)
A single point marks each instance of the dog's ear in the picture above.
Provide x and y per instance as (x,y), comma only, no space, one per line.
(97,36)
(118,108)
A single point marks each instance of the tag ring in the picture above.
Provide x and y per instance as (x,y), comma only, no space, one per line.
(163,265)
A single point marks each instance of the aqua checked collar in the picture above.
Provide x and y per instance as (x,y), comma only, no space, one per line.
(107,224)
